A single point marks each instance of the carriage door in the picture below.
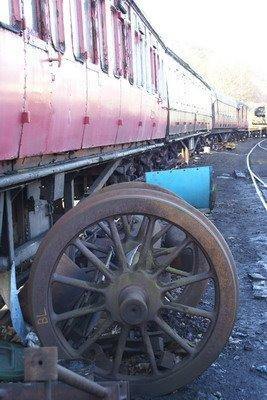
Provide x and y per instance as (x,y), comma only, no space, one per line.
(162,97)
(159,121)
(11,78)
(37,112)
(68,68)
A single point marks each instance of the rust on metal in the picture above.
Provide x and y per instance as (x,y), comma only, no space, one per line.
(151,257)
(40,364)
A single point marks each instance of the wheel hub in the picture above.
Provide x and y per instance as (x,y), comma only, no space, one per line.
(134,298)
(133,305)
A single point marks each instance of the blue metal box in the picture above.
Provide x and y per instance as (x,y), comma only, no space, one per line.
(194,185)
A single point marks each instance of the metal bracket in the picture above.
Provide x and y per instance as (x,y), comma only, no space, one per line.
(8,283)
(103,177)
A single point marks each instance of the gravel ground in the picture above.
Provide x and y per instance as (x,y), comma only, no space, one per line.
(241,370)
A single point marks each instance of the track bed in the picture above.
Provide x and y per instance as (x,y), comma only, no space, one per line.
(240,217)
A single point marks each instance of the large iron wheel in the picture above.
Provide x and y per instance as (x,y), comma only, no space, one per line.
(125,311)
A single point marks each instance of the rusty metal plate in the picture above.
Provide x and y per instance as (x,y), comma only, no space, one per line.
(40,364)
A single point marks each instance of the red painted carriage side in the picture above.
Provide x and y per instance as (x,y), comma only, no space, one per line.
(11,93)
(68,103)
(115,97)
(130,100)
(38,93)
(103,109)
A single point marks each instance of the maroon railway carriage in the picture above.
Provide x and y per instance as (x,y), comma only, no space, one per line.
(89,96)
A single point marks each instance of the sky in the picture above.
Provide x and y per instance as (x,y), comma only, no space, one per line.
(235,28)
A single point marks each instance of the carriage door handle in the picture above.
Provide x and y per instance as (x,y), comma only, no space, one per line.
(56,59)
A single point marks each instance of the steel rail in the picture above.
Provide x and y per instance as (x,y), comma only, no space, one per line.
(264,148)
(254,177)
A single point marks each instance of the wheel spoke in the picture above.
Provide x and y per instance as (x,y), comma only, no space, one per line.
(120,350)
(104,227)
(65,280)
(149,350)
(195,263)
(95,260)
(175,271)
(174,335)
(189,310)
(118,245)
(161,233)
(187,281)
(80,312)
(147,244)
(126,226)
(163,251)
(67,264)
(107,323)
(93,246)
(170,257)
(142,229)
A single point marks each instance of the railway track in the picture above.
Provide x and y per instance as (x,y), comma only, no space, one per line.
(259,182)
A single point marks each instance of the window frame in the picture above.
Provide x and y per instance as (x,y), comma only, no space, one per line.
(123,47)
(83,30)
(91,52)
(80,24)
(17,23)
(141,46)
(154,56)
(35,33)
(100,34)
(61,45)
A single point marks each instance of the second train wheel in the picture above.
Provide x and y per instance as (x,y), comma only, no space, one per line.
(130,320)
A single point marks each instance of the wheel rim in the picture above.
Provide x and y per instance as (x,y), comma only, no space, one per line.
(129,305)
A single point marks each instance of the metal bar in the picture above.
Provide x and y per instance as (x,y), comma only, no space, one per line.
(81,383)
(10,233)
(36,391)
(69,194)
(1,213)
(174,138)
(23,252)
(14,304)
(103,177)
(40,172)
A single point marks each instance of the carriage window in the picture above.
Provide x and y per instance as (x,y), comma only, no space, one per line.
(162,83)
(118,41)
(83,29)
(6,12)
(140,56)
(31,12)
(101,34)
(10,14)
(123,46)
(90,44)
(76,27)
(57,24)
(129,53)
(154,68)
